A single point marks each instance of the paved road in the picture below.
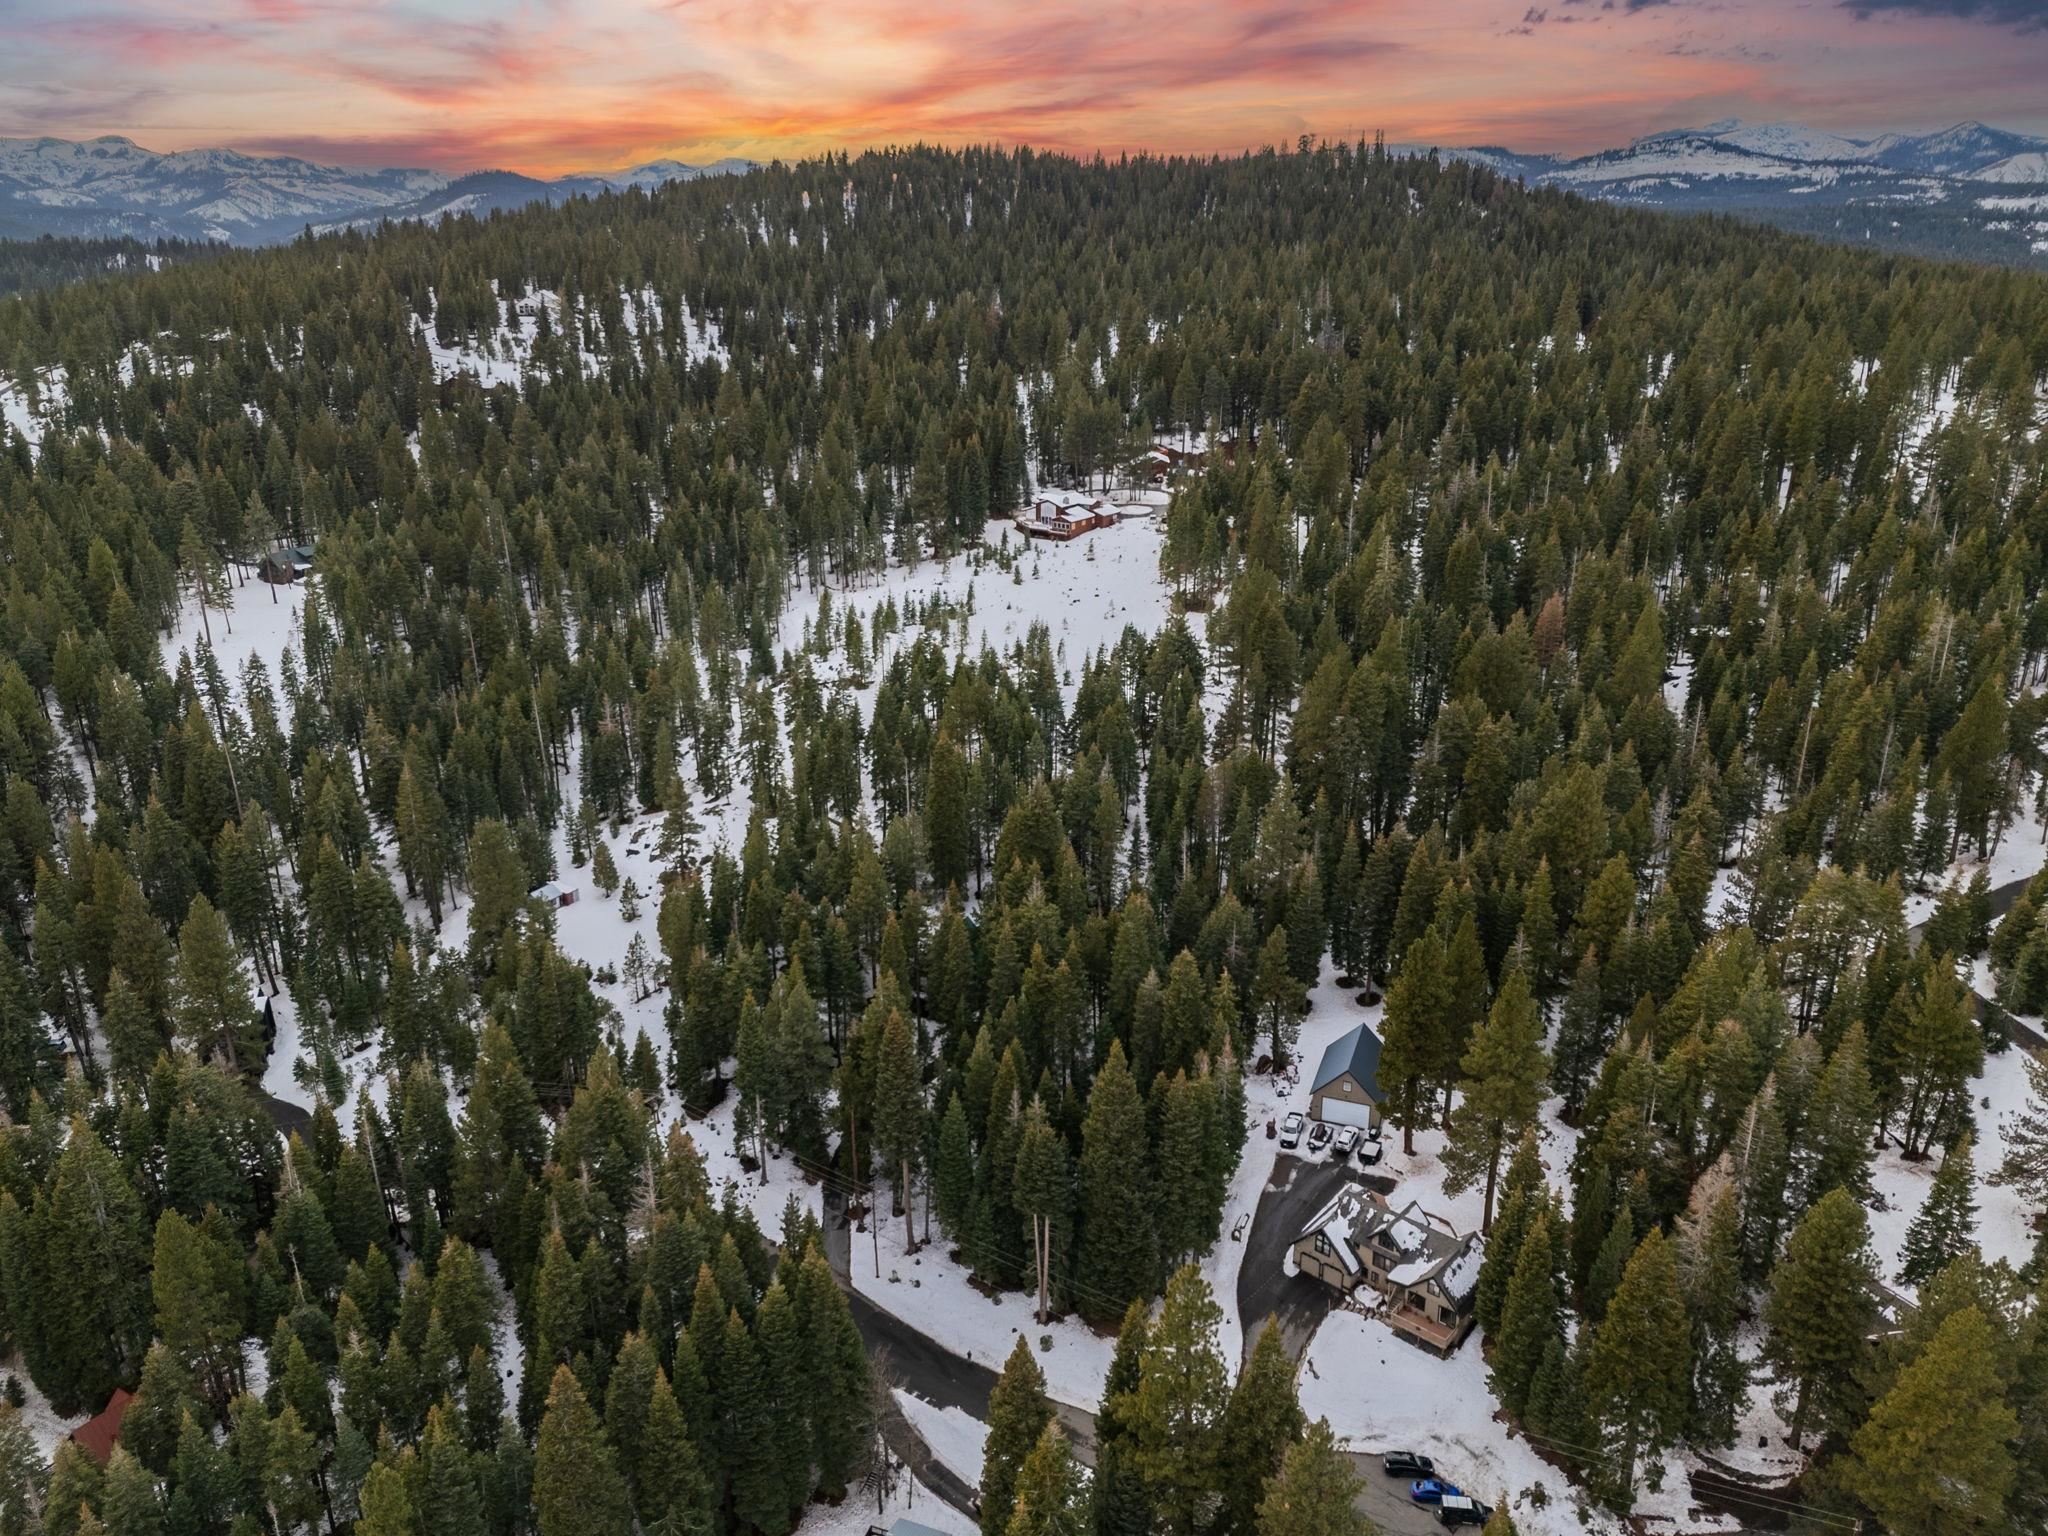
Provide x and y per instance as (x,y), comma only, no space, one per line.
(2003,897)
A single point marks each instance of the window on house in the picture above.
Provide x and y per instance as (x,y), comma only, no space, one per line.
(1322,1243)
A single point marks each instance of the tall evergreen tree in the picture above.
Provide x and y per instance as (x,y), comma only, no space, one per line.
(1932,1458)
(1018,1414)
(1817,1317)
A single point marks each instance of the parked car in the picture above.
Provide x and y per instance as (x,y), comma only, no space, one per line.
(1370,1152)
(1347,1140)
(1372,1132)
(1290,1128)
(1407,1464)
(1456,1509)
(1318,1136)
(1432,1490)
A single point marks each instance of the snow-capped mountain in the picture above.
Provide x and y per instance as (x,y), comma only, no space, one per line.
(657,173)
(1923,192)
(113,186)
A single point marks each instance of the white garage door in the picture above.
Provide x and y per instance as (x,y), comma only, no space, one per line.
(1338,1112)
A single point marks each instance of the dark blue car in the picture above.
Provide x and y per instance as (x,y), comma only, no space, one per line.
(1431,1490)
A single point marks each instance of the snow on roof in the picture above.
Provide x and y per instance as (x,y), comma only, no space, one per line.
(1461,1275)
(1340,1221)
(1406,1235)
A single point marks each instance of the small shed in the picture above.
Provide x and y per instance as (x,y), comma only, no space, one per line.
(1346,1088)
(553,894)
(98,1433)
(286,564)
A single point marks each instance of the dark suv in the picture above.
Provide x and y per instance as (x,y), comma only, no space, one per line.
(1456,1509)
(1407,1464)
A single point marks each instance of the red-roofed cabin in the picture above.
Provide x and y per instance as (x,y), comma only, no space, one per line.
(98,1433)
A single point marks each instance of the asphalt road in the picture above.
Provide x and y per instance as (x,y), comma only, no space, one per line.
(2003,898)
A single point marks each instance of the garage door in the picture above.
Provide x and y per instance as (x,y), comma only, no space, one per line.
(1335,1110)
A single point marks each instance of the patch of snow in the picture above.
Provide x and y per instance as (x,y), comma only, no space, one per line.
(955,1436)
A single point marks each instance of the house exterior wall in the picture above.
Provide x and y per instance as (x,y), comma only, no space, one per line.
(1446,1322)
(1342,1101)
(1311,1259)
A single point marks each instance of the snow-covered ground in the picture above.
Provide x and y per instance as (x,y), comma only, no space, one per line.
(956,1437)
(262,620)
(504,355)
(45,1425)
(2019,855)
(2002,1216)
(907,1500)
(1381,1393)
(933,1294)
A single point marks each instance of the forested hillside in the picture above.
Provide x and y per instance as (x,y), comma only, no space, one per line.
(1602,634)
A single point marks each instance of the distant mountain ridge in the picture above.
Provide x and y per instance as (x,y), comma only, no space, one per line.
(112,186)
(1969,190)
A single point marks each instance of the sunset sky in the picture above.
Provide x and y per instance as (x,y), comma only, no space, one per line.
(597,84)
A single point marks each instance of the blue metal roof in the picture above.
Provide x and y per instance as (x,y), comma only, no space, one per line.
(1356,1051)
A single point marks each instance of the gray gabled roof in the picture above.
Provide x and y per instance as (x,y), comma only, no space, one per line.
(1356,1051)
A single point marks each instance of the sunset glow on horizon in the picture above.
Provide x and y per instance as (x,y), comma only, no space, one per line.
(552,87)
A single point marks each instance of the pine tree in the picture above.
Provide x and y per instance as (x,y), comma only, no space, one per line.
(1315,1493)
(604,869)
(1041,1194)
(1176,1414)
(387,1503)
(786,1378)
(577,1488)
(898,1114)
(670,1493)
(2025,1165)
(948,834)
(1639,1370)
(953,1171)
(212,1002)
(1049,1498)
(1946,1224)
(1715,1299)
(1279,997)
(1932,1458)
(1503,1091)
(1018,1414)
(1818,1314)
(1415,1039)
(74,1486)
(1115,1253)
(1934,1055)
(1531,1317)
(1263,1419)
(1585,1032)
(839,1393)
(129,1502)
(1608,1264)
(1121,1507)
(199,1304)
